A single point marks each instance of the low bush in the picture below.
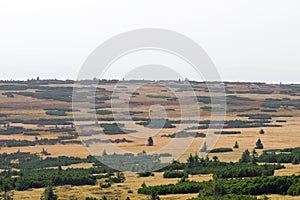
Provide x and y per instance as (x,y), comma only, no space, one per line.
(227,132)
(221,150)
(174,174)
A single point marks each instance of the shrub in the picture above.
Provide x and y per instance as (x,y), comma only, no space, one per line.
(103,112)
(174,174)
(227,132)
(145,174)
(281,121)
(158,96)
(105,185)
(115,128)
(56,112)
(155,123)
(221,150)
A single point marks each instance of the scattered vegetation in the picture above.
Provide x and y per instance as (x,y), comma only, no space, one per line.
(115,128)
(158,96)
(157,123)
(184,134)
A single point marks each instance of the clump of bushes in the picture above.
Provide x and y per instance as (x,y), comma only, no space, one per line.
(156,123)
(227,132)
(145,174)
(174,174)
(158,96)
(56,112)
(221,150)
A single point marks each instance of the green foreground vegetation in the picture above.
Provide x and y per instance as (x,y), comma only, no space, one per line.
(244,179)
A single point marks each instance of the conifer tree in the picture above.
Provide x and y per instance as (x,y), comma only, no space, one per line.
(49,194)
(245,157)
(150,141)
(236,145)
(259,144)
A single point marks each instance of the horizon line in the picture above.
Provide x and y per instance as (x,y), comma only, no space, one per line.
(153,80)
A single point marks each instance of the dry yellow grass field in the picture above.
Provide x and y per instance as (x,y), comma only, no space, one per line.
(133,182)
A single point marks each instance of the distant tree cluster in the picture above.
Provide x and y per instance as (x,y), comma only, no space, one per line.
(247,167)
(281,156)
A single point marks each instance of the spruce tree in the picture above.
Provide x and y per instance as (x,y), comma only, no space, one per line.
(150,141)
(154,195)
(215,159)
(245,157)
(236,145)
(49,194)
(259,144)
(254,156)
(295,160)
(191,159)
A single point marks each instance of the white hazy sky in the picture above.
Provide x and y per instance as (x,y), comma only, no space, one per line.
(248,40)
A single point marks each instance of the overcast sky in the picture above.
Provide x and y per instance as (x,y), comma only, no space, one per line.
(255,40)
